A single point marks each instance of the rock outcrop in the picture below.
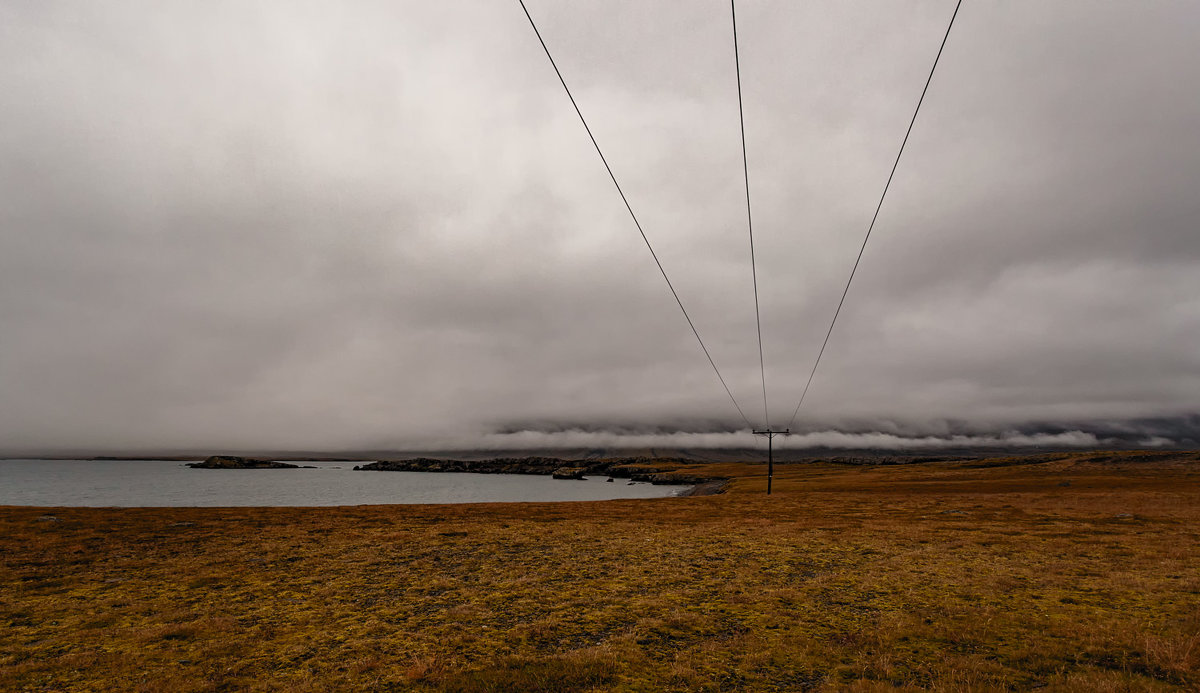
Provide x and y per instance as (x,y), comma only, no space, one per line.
(644,469)
(500,465)
(231,462)
(708,488)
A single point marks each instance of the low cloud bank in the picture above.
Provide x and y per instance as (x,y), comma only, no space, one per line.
(817,439)
(886,435)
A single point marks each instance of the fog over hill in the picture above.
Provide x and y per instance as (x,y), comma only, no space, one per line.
(1182,432)
(714,443)
(364,225)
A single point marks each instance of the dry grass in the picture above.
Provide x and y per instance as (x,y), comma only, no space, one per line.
(945,576)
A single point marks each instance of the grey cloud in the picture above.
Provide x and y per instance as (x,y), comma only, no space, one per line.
(345,225)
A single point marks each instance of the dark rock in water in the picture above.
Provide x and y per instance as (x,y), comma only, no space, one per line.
(609,479)
(503,465)
(680,479)
(635,469)
(231,462)
(636,472)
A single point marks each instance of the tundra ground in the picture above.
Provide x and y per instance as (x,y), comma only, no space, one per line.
(1061,572)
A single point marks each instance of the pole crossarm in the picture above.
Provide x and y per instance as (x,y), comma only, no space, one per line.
(770,434)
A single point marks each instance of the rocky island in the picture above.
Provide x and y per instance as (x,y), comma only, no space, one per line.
(232,462)
(649,470)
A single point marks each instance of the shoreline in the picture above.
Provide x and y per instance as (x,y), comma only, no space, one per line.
(657,471)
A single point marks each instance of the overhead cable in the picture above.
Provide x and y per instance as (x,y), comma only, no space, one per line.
(749,218)
(879,206)
(633,216)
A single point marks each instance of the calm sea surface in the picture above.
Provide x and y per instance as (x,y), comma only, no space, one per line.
(144,483)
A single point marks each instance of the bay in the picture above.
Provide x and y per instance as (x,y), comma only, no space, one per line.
(163,483)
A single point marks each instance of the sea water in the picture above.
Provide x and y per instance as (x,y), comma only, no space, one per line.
(161,483)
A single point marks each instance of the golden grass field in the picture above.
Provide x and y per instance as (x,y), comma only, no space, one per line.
(970,575)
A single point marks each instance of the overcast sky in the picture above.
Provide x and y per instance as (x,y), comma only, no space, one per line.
(329,225)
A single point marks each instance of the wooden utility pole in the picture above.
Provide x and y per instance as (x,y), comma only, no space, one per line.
(771,451)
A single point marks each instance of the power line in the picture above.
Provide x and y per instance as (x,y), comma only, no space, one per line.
(879,206)
(749,219)
(632,215)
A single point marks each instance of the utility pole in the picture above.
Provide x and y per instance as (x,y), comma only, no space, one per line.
(770,451)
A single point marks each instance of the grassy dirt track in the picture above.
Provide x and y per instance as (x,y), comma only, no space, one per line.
(1075,572)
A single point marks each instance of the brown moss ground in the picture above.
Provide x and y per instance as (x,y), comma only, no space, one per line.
(945,576)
